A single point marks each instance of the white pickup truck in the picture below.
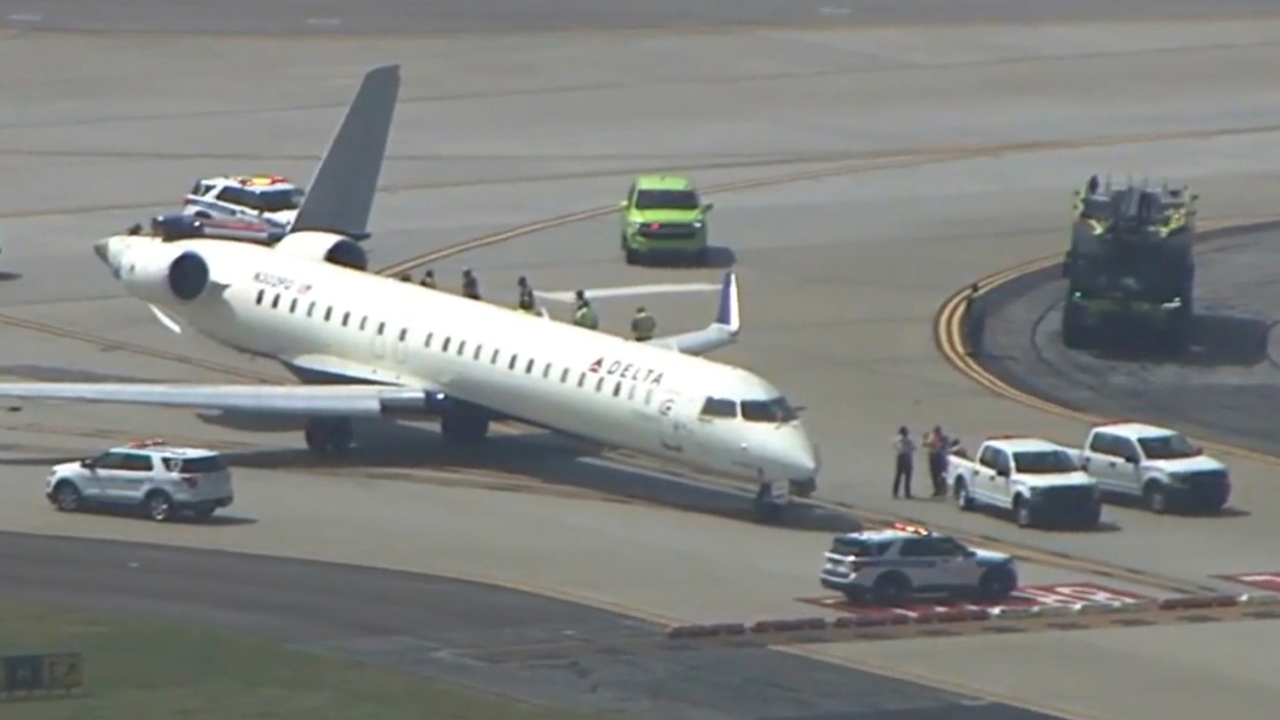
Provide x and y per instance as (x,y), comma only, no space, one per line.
(1039,481)
(1157,464)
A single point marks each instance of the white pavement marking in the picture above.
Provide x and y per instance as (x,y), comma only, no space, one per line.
(25,17)
(628,291)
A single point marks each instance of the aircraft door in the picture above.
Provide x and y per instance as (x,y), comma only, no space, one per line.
(676,434)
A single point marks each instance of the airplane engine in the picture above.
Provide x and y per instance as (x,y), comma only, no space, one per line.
(325,247)
(163,275)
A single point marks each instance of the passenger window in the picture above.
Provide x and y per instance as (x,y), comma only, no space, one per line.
(381,327)
(617,389)
(914,547)
(477,355)
(719,408)
(404,334)
(631,394)
(1002,463)
(512,365)
(363,321)
(528,368)
(648,396)
(293,306)
(494,360)
(564,376)
(346,317)
(275,301)
(132,462)
(462,347)
(427,343)
(328,313)
(988,458)
(582,379)
(261,294)
(444,346)
(599,384)
(311,308)
(546,371)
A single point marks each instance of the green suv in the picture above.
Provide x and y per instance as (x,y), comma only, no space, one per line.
(663,216)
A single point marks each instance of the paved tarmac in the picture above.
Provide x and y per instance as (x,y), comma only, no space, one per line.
(515,643)
(349,17)
(1225,388)
(841,277)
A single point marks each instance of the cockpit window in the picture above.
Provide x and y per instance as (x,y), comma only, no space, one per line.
(720,408)
(776,410)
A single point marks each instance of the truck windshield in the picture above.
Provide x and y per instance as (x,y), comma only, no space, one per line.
(1168,447)
(1044,462)
(667,200)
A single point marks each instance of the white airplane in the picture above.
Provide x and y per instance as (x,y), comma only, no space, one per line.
(373,346)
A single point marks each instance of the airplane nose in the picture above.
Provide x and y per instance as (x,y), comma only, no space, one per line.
(801,455)
(102,249)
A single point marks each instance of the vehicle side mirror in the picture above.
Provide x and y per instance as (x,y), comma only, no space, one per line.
(1131,459)
(86,463)
(708,207)
(1003,472)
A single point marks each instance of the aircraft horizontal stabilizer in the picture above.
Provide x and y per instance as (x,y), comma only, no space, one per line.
(720,333)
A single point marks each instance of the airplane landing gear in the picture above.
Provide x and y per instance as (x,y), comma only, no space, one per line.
(464,425)
(770,506)
(329,436)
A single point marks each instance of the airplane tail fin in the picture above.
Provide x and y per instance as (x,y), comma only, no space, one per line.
(722,332)
(340,196)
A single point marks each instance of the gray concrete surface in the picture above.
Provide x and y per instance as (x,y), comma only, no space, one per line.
(841,276)
(1225,388)
(347,17)
(518,644)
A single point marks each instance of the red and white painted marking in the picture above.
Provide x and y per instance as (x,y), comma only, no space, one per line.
(1069,595)
(1269,581)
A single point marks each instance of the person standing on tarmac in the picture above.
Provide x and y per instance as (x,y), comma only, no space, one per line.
(937,445)
(643,325)
(904,450)
(583,314)
(428,279)
(975,320)
(470,286)
(526,302)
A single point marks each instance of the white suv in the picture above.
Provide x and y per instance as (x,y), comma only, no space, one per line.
(890,567)
(161,479)
(271,200)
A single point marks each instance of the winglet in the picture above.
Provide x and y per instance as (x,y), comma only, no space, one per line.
(728,314)
(340,196)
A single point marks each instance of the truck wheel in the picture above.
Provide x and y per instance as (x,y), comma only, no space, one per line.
(1022,513)
(701,257)
(66,496)
(963,499)
(891,589)
(1074,334)
(633,257)
(997,583)
(159,505)
(1155,498)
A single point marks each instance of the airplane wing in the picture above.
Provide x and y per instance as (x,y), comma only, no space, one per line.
(339,197)
(310,400)
(720,333)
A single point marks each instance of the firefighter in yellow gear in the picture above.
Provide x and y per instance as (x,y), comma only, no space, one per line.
(643,325)
(583,314)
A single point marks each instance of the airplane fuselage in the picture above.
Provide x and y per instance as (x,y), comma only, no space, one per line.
(322,319)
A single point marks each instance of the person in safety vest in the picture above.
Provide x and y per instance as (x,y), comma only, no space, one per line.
(583,314)
(643,325)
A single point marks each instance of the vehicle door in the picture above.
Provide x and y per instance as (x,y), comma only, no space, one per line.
(135,471)
(984,474)
(954,568)
(1002,478)
(379,340)
(1105,461)
(920,560)
(100,475)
